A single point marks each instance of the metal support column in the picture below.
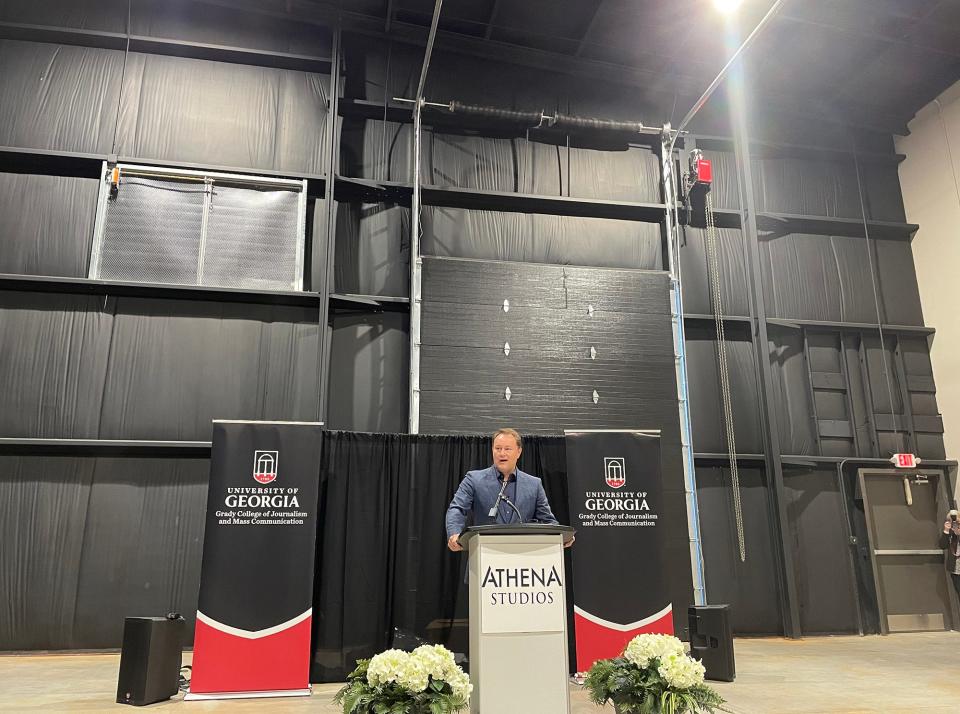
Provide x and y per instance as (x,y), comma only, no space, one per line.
(329,242)
(416,273)
(790,610)
(416,262)
(680,362)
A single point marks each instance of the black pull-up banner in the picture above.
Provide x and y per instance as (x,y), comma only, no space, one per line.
(256,581)
(619,583)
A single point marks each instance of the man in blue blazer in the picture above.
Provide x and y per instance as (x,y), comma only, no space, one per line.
(524,500)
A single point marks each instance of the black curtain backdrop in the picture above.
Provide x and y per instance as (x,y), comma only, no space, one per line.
(383,572)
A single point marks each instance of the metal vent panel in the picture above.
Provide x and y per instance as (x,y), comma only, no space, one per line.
(182,227)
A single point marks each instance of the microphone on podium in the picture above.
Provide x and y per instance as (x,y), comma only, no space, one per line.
(516,510)
(500,497)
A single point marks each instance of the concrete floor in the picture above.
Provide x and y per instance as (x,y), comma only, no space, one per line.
(916,673)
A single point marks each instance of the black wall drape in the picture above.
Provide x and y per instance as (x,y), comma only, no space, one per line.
(384,573)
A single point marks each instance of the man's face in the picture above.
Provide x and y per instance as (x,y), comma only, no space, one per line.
(506,453)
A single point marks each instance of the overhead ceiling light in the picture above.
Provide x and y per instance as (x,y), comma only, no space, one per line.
(727,6)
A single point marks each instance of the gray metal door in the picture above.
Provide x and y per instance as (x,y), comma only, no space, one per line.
(904,512)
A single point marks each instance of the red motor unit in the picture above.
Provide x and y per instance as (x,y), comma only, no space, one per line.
(699,178)
(700,169)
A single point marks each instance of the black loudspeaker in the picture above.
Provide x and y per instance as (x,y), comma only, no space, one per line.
(150,659)
(711,640)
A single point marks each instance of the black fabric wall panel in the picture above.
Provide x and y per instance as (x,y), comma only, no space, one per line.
(897,282)
(725,188)
(107,15)
(180,109)
(750,587)
(806,186)
(43,508)
(818,531)
(369,372)
(373,256)
(819,187)
(539,238)
(377,149)
(791,392)
(234,26)
(174,366)
(88,541)
(883,389)
(631,175)
(58,96)
(931,446)
(46,223)
(915,353)
(706,405)
(315,247)
(916,356)
(366,65)
(491,164)
(382,150)
(54,355)
(141,545)
(816,277)
(469,282)
(694,272)
(882,374)
(881,192)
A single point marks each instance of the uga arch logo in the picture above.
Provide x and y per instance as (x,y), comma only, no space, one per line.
(614,472)
(265,466)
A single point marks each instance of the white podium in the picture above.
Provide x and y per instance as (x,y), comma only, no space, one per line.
(518,619)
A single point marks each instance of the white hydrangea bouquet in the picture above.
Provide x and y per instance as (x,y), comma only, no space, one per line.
(425,681)
(654,675)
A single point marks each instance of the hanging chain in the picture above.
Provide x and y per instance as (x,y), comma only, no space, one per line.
(713,265)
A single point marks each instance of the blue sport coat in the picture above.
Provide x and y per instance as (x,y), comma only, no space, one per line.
(478,492)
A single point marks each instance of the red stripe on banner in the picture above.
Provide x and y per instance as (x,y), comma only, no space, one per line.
(598,642)
(227,663)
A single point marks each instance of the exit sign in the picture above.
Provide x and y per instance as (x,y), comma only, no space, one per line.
(904,461)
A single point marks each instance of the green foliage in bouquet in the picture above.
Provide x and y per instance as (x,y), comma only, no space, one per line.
(653,676)
(425,681)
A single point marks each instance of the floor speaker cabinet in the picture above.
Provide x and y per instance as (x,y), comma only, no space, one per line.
(711,640)
(150,659)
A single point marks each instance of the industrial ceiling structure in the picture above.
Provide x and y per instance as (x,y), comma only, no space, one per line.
(872,62)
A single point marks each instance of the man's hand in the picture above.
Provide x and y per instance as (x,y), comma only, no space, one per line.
(947,526)
(453,543)
(569,542)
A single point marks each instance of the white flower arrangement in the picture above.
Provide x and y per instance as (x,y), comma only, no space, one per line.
(653,675)
(680,671)
(399,667)
(425,680)
(643,648)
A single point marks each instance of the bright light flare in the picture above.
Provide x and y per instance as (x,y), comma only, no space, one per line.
(727,7)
